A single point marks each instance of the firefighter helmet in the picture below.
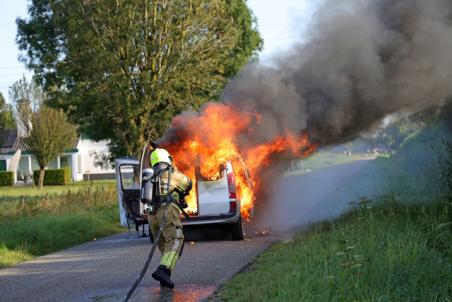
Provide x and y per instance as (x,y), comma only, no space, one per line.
(160,155)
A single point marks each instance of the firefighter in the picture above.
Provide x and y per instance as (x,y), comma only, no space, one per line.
(172,238)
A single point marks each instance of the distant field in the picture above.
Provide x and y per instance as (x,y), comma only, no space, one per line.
(57,217)
(322,160)
(410,175)
(29,191)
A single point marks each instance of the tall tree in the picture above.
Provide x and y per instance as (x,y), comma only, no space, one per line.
(49,135)
(7,120)
(26,97)
(47,131)
(123,69)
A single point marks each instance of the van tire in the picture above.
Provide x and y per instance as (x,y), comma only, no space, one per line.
(237,230)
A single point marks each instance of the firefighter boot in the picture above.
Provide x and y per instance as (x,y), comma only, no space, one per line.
(163,274)
(169,275)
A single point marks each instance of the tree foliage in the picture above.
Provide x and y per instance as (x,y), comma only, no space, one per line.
(7,120)
(46,130)
(123,69)
(26,97)
(445,177)
(49,135)
(445,158)
(394,135)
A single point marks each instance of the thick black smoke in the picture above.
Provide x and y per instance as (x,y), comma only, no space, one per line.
(363,60)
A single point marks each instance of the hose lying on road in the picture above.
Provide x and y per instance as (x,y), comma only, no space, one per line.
(156,242)
(148,261)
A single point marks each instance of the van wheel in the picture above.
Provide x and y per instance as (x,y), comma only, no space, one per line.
(236,230)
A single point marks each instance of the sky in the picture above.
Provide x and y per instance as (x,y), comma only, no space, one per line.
(281,23)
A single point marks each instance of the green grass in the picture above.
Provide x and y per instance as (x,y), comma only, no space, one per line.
(12,256)
(30,191)
(322,160)
(48,223)
(410,174)
(384,251)
(387,253)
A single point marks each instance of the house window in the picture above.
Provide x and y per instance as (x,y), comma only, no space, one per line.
(64,161)
(2,165)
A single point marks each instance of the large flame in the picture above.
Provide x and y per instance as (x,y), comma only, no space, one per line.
(210,139)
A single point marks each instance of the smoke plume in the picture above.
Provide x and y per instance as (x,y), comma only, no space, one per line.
(363,61)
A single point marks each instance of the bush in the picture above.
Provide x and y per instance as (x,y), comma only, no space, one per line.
(54,177)
(6,178)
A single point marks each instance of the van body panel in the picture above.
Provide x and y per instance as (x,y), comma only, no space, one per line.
(213,197)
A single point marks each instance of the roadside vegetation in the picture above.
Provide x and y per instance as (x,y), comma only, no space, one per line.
(394,245)
(382,145)
(387,252)
(38,224)
(30,192)
(411,175)
(326,159)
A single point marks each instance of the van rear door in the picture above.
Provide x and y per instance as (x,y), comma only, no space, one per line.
(214,195)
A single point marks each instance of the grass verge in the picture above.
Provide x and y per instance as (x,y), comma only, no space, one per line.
(322,160)
(53,222)
(30,192)
(12,256)
(388,253)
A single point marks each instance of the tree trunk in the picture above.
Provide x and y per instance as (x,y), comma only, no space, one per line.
(41,177)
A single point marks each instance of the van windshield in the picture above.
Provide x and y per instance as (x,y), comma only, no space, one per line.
(129,177)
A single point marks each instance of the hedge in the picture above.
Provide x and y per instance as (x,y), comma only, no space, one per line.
(6,178)
(54,177)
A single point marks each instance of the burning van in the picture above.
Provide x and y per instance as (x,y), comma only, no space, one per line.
(212,201)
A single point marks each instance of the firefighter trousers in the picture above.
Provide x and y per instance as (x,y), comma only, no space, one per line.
(172,238)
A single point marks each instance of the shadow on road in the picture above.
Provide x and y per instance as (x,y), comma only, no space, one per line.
(209,233)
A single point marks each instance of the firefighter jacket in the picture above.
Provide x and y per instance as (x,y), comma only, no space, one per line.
(179,183)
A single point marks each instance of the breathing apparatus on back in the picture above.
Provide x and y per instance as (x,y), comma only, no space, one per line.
(161,176)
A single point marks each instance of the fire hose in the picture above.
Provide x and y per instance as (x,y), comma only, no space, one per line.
(154,245)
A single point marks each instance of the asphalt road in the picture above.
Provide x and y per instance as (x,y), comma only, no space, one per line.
(300,200)
(103,270)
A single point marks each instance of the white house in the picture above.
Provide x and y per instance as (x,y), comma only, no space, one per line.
(83,158)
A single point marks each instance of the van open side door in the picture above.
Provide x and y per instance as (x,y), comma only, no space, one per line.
(128,180)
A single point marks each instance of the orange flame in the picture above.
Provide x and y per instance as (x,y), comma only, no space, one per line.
(210,139)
